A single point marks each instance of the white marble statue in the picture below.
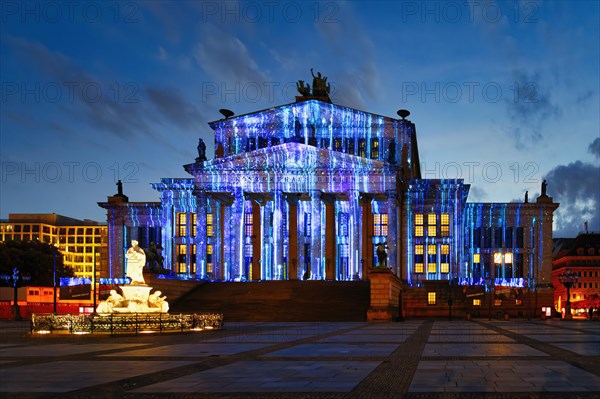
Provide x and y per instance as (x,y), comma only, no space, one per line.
(136,260)
(155,301)
(115,300)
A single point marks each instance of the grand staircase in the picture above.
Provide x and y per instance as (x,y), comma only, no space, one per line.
(279,300)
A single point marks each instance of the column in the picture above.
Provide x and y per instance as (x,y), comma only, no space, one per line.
(278,211)
(330,241)
(315,235)
(367,232)
(237,243)
(355,224)
(219,249)
(256,241)
(292,200)
(200,239)
(392,236)
(266,257)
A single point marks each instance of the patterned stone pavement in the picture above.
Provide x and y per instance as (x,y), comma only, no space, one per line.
(414,359)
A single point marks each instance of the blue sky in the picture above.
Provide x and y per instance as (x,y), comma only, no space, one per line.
(503,94)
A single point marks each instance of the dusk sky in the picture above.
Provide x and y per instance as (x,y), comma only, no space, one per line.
(503,94)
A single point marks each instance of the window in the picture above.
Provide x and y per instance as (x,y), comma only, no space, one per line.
(419,268)
(445,224)
(307,224)
(181,258)
(380,224)
(508,257)
(431,298)
(476,258)
(181,224)
(497,257)
(419,259)
(209,258)
(248,224)
(419,225)
(431,224)
(350,146)
(445,267)
(418,249)
(431,259)
(374,148)
(431,267)
(209,225)
(476,302)
(362,147)
(337,144)
(193,224)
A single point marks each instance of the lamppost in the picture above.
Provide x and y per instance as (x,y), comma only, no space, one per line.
(489,281)
(568,279)
(54,282)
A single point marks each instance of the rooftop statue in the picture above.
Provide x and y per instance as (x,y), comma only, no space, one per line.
(201,151)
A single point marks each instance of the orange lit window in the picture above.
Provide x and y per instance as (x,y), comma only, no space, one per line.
(431,268)
(419,268)
(419,219)
(431,219)
(445,249)
(431,231)
(418,249)
(431,298)
(445,267)
(476,258)
(209,225)
(431,250)
(419,231)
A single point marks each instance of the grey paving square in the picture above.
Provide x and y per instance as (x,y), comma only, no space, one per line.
(270,376)
(582,348)
(192,350)
(336,350)
(377,338)
(565,337)
(501,376)
(469,338)
(65,376)
(61,349)
(480,349)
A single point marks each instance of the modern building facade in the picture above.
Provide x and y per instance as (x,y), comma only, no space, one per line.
(314,190)
(77,240)
(580,255)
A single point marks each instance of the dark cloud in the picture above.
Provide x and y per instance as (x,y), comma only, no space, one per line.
(594,147)
(174,108)
(529,108)
(358,80)
(576,187)
(118,115)
(226,58)
(477,194)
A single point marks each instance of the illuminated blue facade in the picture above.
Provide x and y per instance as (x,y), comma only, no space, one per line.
(316,190)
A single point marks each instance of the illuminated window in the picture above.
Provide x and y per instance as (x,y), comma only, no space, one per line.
(181,224)
(476,258)
(431,219)
(431,250)
(445,231)
(209,258)
(209,225)
(419,231)
(193,259)
(431,298)
(193,224)
(497,257)
(419,219)
(431,231)
(419,268)
(445,267)
(248,224)
(337,144)
(362,147)
(476,302)
(418,249)
(431,267)
(380,224)
(307,227)
(374,148)
(181,258)
(445,249)
(445,219)
(508,257)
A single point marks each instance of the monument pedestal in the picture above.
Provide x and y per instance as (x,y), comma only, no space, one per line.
(385,295)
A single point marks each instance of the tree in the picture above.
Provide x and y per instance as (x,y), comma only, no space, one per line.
(34,259)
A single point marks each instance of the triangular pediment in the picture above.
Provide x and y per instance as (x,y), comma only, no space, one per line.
(292,156)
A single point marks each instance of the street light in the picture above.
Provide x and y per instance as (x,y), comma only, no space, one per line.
(568,279)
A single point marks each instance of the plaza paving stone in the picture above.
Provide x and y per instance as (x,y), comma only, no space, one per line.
(417,359)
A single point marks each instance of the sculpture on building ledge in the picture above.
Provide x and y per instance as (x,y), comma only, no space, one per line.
(381,254)
(302,89)
(320,88)
(526,197)
(544,187)
(136,260)
(201,151)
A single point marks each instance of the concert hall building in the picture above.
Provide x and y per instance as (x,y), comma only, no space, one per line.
(314,190)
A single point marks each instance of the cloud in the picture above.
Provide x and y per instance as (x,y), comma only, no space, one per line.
(358,80)
(92,98)
(174,108)
(477,194)
(594,148)
(226,58)
(529,108)
(576,187)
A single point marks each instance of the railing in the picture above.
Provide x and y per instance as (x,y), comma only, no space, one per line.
(118,323)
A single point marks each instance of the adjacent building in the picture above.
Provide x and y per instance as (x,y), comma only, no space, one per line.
(314,190)
(81,242)
(580,255)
